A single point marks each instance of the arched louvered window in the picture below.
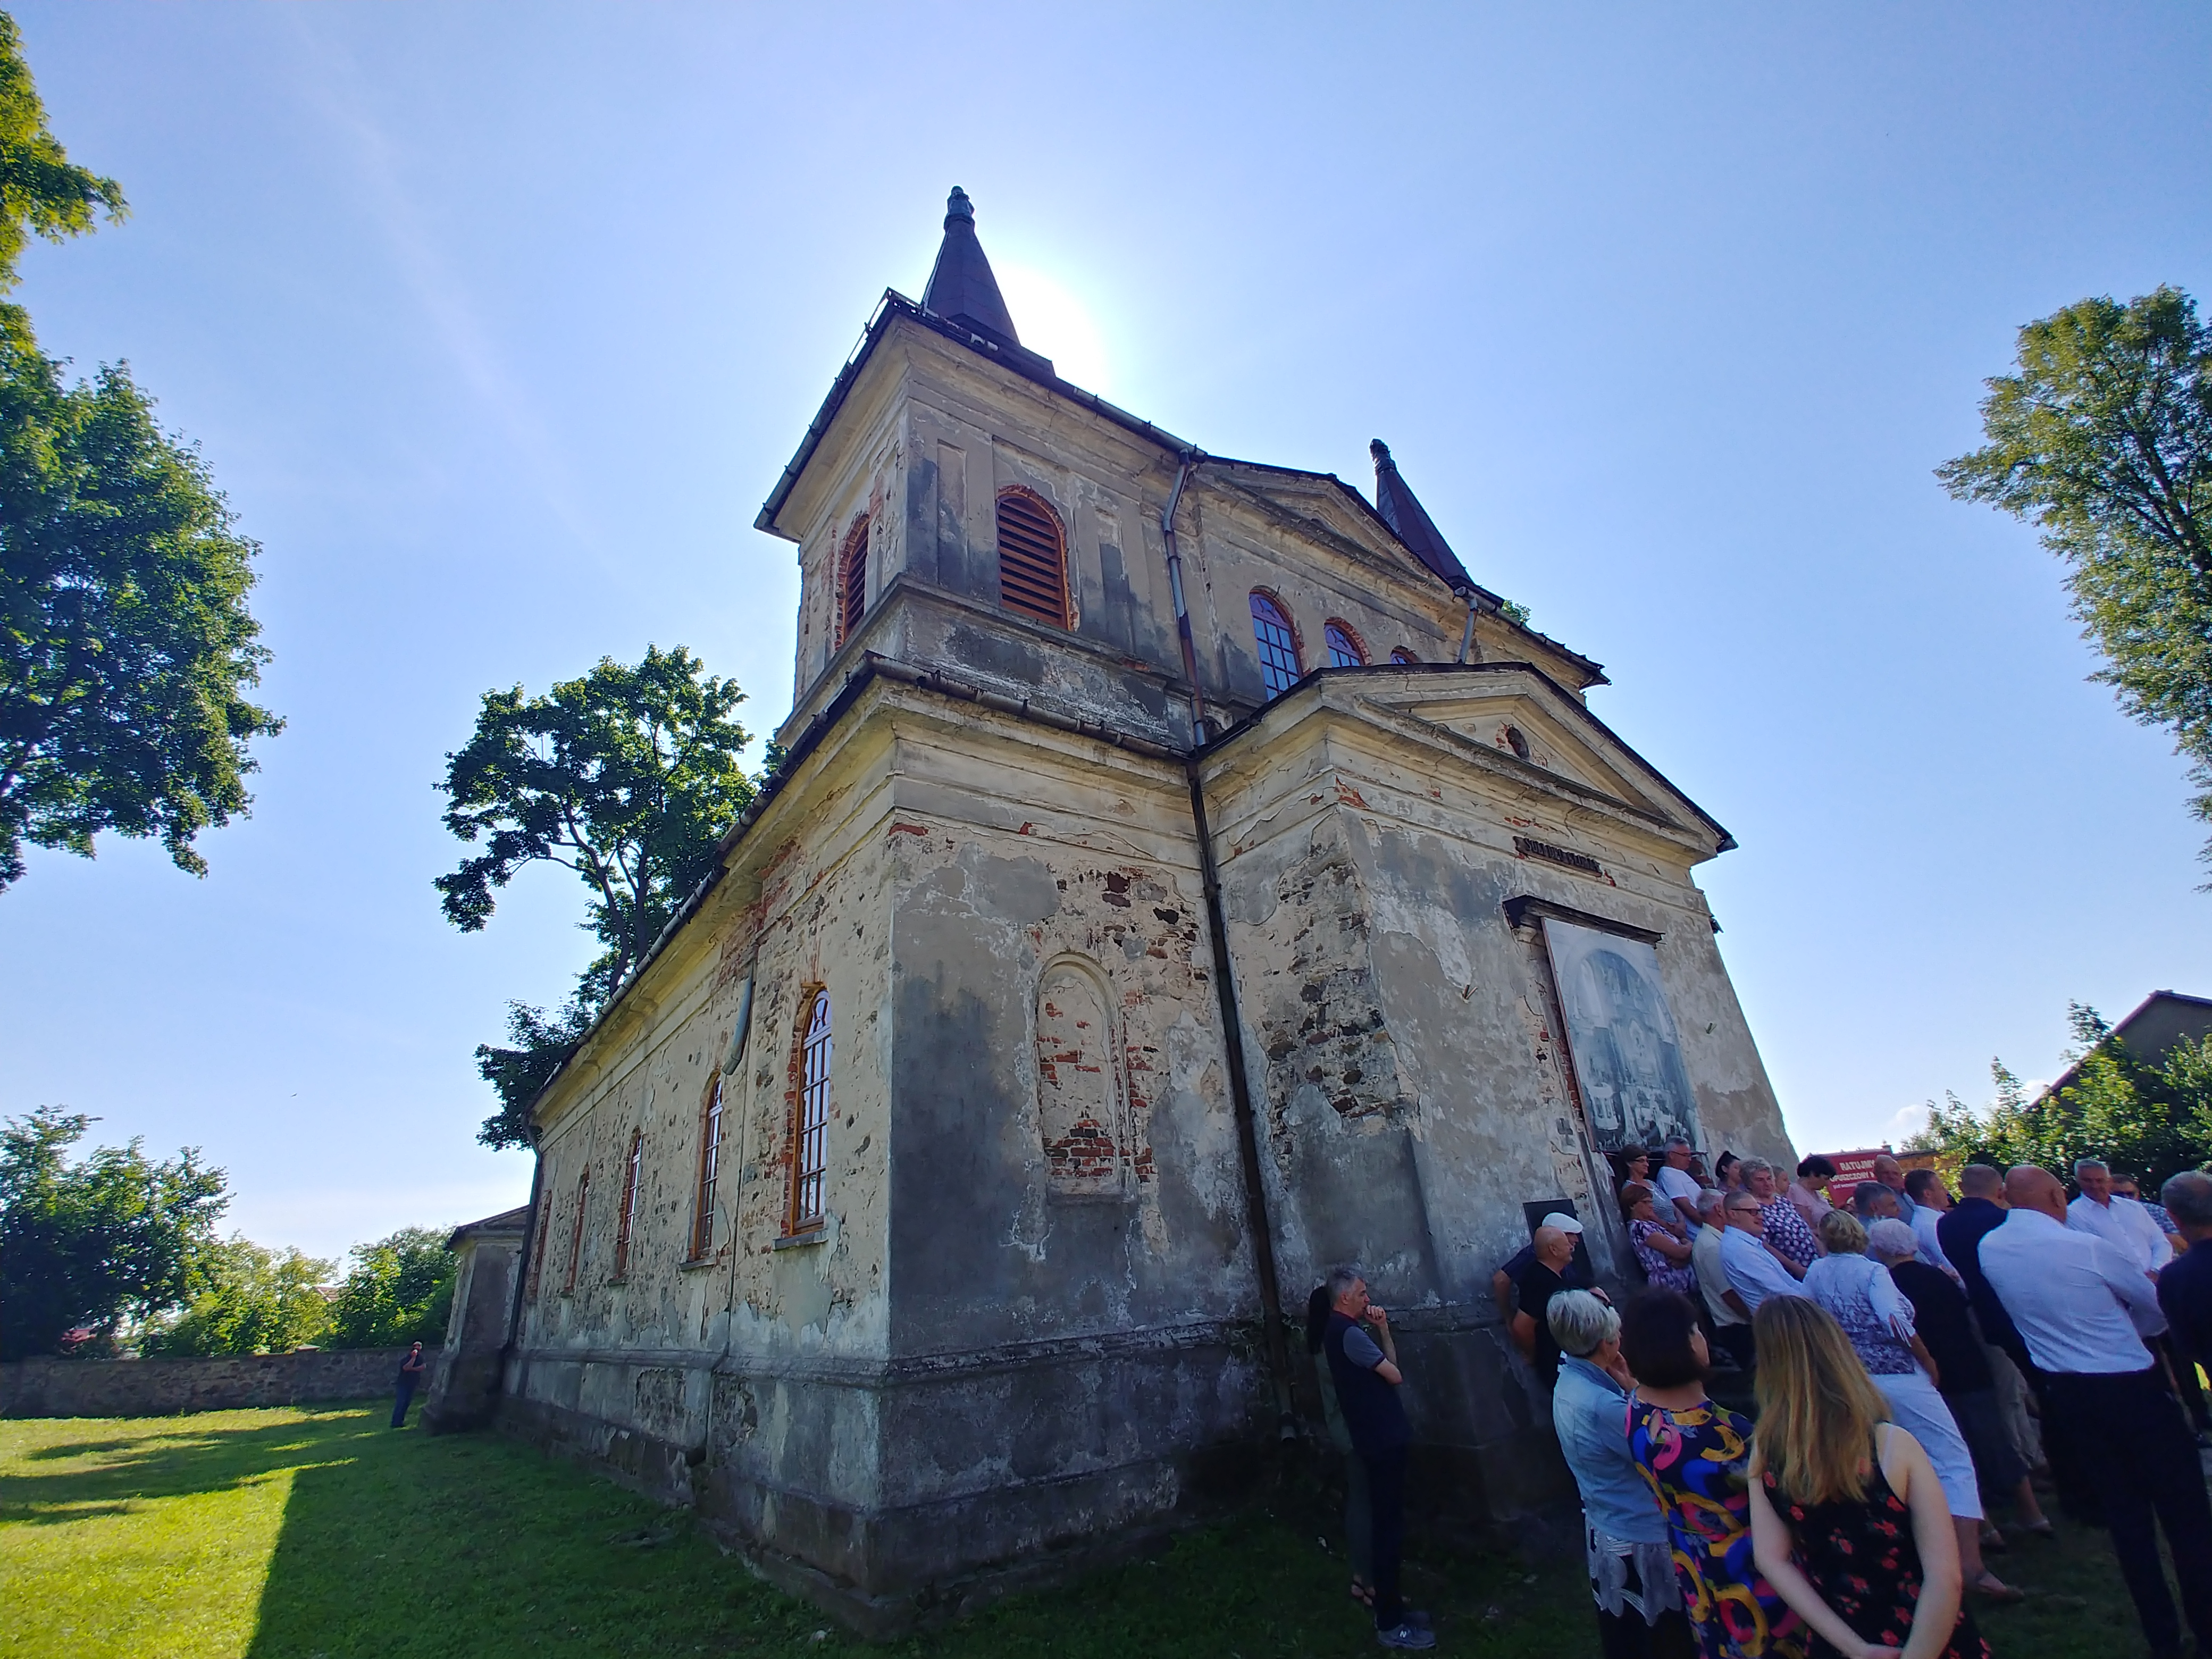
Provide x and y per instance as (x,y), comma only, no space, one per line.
(1278,646)
(811,1122)
(1032,557)
(626,1213)
(1344,647)
(710,1159)
(1404,658)
(853,579)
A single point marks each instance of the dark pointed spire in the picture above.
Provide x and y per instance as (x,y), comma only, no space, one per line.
(1402,511)
(961,287)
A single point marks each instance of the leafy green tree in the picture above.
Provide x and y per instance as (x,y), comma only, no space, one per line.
(42,192)
(125,644)
(2103,439)
(104,1243)
(2150,1121)
(628,777)
(399,1290)
(256,1301)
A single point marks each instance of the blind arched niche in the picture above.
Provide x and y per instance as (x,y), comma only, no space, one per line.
(1080,1117)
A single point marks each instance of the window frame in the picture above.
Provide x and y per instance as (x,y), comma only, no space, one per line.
(576,1232)
(1335,628)
(1278,616)
(544,1232)
(1402,658)
(806,1195)
(710,1165)
(1064,618)
(851,562)
(626,1211)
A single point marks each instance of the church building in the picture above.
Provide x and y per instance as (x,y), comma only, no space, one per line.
(1181,875)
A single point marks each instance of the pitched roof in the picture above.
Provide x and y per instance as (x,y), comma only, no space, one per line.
(961,286)
(1409,520)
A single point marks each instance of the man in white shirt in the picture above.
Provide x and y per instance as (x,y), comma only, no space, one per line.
(1675,1183)
(2120,1222)
(1731,1319)
(1931,1202)
(1754,1272)
(2083,1309)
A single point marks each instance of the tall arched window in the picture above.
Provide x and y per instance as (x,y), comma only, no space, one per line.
(853,579)
(710,1158)
(1404,658)
(1344,647)
(1278,646)
(626,1211)
(576,1233)
(544,1229)
(1032,557)
(811,1142)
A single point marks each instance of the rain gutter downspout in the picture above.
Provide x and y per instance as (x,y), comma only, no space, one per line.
(1232,1029)
(1466,638)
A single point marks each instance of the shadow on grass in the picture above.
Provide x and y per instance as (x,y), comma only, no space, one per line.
(477,1548)
(188,1460)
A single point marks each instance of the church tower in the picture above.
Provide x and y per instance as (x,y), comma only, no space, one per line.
(1182,874)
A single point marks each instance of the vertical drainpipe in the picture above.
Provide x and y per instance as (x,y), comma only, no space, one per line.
(1232,1029)
(1466,638)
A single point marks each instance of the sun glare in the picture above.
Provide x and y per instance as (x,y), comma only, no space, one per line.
(1054,321)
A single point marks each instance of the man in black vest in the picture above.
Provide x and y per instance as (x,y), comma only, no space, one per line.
(1367,1380)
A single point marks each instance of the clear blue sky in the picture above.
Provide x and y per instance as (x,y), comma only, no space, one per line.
(498,322)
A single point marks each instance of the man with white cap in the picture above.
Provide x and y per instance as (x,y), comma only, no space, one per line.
(1540,1280)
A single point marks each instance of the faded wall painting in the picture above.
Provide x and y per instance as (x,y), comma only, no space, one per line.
(1628,1057)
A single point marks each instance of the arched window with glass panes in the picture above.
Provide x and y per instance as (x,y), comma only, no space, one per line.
(810,1152)
(1344,647)
(1279,645)
(1404,658)
(1032,557)
(710,1160)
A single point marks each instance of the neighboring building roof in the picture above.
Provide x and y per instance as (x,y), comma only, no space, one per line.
(506,1221)
(1410,522)
(2160,1021)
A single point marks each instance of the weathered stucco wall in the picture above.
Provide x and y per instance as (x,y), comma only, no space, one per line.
(162,1388)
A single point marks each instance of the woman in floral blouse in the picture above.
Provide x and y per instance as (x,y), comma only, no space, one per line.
(1695,1453)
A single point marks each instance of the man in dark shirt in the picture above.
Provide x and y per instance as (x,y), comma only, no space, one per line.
(1980,1210)
(1968,1386)
(411,1373)
(2184,1289)
(1543,1279)
(1367,1380)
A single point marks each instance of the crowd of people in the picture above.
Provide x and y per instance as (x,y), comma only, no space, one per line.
(1915,1358)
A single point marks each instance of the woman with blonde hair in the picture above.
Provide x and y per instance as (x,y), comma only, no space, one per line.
(1848,1521)
(1853,1283)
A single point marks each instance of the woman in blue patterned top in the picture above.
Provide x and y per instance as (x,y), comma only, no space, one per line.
(1695,1453)
(1661,1250)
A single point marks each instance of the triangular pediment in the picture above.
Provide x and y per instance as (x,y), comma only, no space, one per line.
(1523,721)
(1329,511)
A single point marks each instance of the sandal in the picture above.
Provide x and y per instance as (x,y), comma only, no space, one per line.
(1363,1593)
(1990,1588)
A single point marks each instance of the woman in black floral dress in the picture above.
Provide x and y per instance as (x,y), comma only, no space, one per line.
(1848,1521)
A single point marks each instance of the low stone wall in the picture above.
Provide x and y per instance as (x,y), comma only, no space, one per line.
(161,1388)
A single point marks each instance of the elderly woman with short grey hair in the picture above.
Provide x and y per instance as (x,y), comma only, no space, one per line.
(1631,1563)
(1853,1282)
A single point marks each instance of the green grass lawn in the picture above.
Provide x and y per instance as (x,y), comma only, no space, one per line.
(292,1534)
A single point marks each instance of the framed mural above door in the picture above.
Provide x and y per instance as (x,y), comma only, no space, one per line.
(1627,1049)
